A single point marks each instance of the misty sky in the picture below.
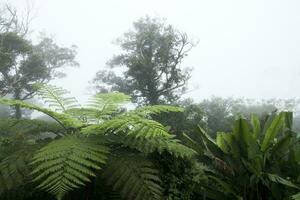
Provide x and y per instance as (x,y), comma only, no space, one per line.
(247,48)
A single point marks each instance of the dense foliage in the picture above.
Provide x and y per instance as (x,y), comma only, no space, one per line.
(257,160)
(23,63)
(212,150)
(100,140)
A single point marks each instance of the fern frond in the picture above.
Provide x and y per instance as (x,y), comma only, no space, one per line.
(67,163)
(15,168)
(108,100)
(56,97)
(102,106)
(133,176)
(64,119)
(131,124)
(156,109)
(12,126)
(142,134)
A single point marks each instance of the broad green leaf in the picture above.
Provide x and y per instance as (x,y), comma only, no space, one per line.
(271,132)
(255,125)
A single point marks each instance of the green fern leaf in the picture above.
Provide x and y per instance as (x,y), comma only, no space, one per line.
(67,163)
(156,109)
(134,177)
(142,134)
(56,97)
(63,119)
(102,106)
(15,168)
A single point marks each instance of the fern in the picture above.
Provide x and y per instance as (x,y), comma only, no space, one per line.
(102,106)
(64,120)
(87,134)
(156,109)
(134,176)
(67,163)
(56,97)
(109,101)
(15,168)
(143,134)
(11,126)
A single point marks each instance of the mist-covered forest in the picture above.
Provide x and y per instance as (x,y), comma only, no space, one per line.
(139,135)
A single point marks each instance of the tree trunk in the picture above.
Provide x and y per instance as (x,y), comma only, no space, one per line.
(153,98)
(17,96)
(18,113)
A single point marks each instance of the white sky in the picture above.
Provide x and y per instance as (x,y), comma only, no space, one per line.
(248,48)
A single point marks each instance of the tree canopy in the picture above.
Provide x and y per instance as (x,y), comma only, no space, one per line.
(23,63)
(152,55)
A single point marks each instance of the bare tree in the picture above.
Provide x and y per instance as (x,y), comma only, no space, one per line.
(13,20)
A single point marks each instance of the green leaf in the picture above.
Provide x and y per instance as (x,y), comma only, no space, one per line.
(56,97)
(255,125)
(133,176)
(63,119)
(67,163)
(277,179)
(271,131)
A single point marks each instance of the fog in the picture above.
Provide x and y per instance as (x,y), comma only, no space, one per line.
(246,48)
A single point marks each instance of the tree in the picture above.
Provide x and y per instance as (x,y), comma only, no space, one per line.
(22,63)
(97,141)
(152,55)
(12,21)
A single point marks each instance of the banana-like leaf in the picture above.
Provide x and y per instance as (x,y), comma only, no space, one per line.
(271,131)
(255,126)
(277,179)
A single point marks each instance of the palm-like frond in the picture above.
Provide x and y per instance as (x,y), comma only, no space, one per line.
(133,176)
(67,163)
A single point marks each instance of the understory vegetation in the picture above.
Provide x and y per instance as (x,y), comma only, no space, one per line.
(135,156)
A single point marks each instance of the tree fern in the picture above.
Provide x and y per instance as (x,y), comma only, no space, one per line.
(134,176)
(81,149)
(67,163)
